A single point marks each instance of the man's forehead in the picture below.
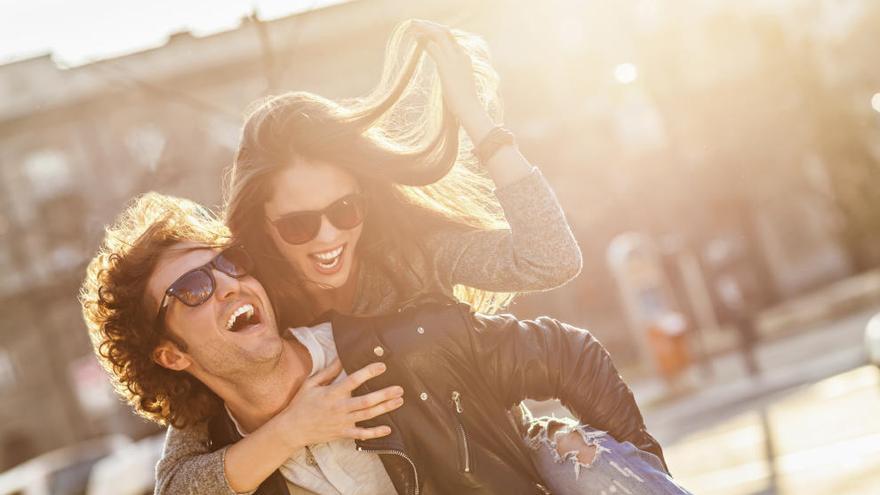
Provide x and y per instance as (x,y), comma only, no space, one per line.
(186,253)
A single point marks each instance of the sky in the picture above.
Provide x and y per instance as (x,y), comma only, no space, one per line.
(79,31)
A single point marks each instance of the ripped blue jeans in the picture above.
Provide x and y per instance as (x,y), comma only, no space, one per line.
(616,468)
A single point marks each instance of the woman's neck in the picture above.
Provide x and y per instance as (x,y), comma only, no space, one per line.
(339,299)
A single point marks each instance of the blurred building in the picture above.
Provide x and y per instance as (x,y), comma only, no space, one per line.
(639,129)
(76,144)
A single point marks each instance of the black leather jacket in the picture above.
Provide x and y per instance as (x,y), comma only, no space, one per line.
(462,373)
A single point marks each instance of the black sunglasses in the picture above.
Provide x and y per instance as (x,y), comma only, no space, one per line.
(301,227)
(197,285)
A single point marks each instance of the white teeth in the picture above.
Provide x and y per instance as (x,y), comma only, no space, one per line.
(329,255)
(330,265)
(246,308)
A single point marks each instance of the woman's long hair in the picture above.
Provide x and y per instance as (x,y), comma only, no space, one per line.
(405,148)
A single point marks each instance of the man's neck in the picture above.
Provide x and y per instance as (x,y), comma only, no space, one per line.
(261,397)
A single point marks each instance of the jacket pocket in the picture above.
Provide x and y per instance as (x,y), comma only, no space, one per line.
(464,450)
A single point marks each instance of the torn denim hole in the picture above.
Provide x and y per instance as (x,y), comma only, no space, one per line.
(554,430)
(617,468)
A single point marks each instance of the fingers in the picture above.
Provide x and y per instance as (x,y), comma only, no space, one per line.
(428,28)
(422,29)
(377,410)
(447,56)
(431,32)
(434,51)
(360,376)
(326,375)
(368,433)
(373,398)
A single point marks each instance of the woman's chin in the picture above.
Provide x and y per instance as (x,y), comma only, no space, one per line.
(333,280)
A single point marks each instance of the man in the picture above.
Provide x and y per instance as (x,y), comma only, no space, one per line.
(188,336)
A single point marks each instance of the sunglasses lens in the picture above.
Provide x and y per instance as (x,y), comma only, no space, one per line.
(193,289)
(348,212)
(235,262)
(299,229)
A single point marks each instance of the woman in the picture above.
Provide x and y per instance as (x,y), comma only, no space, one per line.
(430,218)
(362,206)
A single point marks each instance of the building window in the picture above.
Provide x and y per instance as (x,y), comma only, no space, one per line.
(146,144)
(8,275)
(7,371)
(48,172)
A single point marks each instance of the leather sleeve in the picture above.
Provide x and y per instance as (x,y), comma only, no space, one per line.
(546,359)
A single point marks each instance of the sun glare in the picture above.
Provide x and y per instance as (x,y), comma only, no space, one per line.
(626,73)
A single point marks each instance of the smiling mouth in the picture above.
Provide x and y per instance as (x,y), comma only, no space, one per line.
(328,260)
(243,317)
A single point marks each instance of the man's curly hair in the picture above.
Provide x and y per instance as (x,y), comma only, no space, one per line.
(122,329)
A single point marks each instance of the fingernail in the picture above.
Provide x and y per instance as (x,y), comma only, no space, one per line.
(382,367)
(398,390)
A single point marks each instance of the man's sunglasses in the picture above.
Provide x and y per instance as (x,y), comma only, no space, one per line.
(301,227)
(197,285)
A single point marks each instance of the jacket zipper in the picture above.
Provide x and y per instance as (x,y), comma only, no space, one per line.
(401,454)
(456,399)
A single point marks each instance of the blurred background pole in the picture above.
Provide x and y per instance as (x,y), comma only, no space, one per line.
(267,53)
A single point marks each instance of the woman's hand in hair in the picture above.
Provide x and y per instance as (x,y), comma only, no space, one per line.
(322,411)
(456,70)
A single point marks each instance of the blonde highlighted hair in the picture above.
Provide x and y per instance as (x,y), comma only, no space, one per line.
(403,145)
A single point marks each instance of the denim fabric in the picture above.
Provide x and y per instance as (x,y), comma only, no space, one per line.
(617,468)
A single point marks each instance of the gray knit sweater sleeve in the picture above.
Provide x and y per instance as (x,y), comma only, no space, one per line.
(188,467)
(538,252)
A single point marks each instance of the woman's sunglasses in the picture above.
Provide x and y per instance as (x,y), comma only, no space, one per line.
(301,227)
(197,285)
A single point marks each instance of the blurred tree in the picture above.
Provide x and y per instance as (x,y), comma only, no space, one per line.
(844,124)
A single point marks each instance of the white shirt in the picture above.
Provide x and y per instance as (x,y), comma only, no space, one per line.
(341,468)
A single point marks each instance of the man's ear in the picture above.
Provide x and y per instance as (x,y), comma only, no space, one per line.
(168,355)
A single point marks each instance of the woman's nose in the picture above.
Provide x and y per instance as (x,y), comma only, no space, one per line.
(328,232)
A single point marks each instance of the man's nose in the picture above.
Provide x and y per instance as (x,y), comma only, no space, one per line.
(226,285)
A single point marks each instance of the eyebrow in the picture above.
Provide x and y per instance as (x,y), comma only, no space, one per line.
(297,212)
(181,250)
(188,249)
